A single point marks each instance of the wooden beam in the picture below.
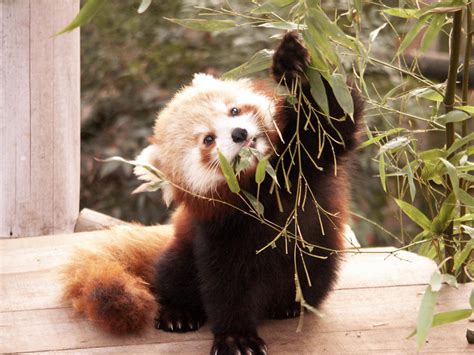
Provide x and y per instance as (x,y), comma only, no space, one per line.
(90,220)
(39,118)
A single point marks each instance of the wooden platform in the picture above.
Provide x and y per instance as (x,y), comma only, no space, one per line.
(372,310)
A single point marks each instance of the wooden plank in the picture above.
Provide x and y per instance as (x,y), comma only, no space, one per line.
(369,319)
(35,272)
(39,119)
(444,340)
(90,220)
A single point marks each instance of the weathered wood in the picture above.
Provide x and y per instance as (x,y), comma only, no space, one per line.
(39,118)
(373,308)
(90,220)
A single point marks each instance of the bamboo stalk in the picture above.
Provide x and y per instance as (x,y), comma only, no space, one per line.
(465,96)
(449,99)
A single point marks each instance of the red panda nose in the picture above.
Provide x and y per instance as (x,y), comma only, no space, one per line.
(239,135)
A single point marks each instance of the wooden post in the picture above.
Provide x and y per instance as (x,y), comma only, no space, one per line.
(39,118)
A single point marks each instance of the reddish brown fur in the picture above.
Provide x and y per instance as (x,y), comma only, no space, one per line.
(109,281)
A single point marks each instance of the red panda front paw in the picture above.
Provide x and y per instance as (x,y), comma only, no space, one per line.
(290,59)
(233,344)
(170,319)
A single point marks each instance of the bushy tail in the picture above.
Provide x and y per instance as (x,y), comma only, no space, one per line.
(109,280)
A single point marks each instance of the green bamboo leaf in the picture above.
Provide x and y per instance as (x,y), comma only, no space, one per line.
(144,5)
(87,12)
(435,281)
(204,25)
(257,205)
(411,182)
(469,109)
(270,171)
(342,93)
(428,94)
(403,13)
(445,215)
(228,173)
(450,316)
(459,143)
(380,137)
(461,256)
(318,44)
(410,36)
(328,28)
(454,116)
(471,299)
(260,172)
(382,171)
(318,91)
(280,25)
(466,199)
(432,31)
(259,61)
(453,175)
(271,6)
(414,214)
(425,316)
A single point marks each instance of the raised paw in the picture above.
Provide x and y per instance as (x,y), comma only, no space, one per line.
(292,311)
(176,320)
(235,344)
(291,58)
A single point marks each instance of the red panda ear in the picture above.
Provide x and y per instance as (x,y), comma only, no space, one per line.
(202,79)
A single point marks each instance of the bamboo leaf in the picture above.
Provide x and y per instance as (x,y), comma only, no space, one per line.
(461,256)
(471,299)
(454,116)
(204,25)
(432,31)
(466,199)
(228,173)
(254,202)
(271,6)
(450,316)
(410,36)
(260,172)
(453,175)
(414,214)
(380,137)
(446,214)
(144,5)
(425,316)
(318,91)
(373,35)
(403,13)
(428,94)
(435,281)
(87,12)
(342,93)
(382,172)
(259,61)
(469,109)
(411,182)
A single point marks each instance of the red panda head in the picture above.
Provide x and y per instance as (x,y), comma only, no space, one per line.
(206,116)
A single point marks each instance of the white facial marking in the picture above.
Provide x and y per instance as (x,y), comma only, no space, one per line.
(199,178)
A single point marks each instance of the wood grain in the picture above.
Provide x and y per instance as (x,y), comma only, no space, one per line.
(39,118)
(372,310)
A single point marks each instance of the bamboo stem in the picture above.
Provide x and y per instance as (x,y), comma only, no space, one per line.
(449,99)
(465,96)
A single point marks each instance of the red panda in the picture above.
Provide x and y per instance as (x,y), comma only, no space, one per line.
(209,270)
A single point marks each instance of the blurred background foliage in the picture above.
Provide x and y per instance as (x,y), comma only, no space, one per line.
(131,66)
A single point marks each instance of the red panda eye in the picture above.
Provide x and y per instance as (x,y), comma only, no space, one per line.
(234,111)
(208,140)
